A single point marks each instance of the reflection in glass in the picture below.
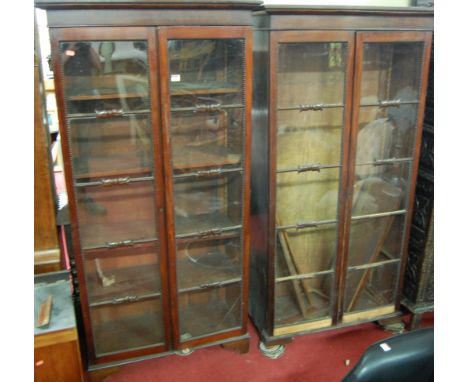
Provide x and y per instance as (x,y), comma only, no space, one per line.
(114,214)
(207,203)
(386,133)
(374,240)
(311,73)
(206,72)
(371,287)
(105,75)
(114,146)
(127,326)
(303,300)
(209,139)
(384,191)
(208,262)
(209,310)
(391,71)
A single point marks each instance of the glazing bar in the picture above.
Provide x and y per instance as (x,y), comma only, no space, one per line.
(303,276)
(301,225)
(114,181)
(378,215)
(215,171)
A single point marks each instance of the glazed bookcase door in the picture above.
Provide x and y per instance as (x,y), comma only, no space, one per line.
(114,179)
(388,100)
(309,125)
(206,123)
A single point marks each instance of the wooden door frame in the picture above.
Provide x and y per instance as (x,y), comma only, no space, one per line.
(204,32)
(384,37)
(306,36)
(58,35)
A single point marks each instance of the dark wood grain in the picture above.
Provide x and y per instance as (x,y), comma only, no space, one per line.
(272,121)
(46,245)
(351,22)
(147,17)
(146,4)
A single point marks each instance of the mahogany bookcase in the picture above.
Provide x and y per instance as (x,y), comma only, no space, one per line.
(338,107)
(154,102)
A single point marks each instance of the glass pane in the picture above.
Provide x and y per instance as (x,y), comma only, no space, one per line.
(205,263)
(127,326)
(311,137)
(386,133)
(303,299)
(307,196)
(117,213)
(370,288)
(116,278)
(105,75)
(305,251)
(311,73)
(373,240)
(103,148)
(210,310)
(382,191)
(391,71)
(202,204)
(201,140)
(206,72)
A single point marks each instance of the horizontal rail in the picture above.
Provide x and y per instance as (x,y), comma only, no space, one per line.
(216,284)
(390,103)
(114,181)
(313,107)
(125,300)
(211,172)
(123,114)
(308,167)
(304,276)
(205,108)
(123,243)
(373,265)
(208,232)
(381,162)
(378,215)
(301,225)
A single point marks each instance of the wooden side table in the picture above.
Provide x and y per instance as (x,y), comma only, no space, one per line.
(56,348)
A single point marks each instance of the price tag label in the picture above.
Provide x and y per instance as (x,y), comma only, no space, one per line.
(175,77)
(385,347)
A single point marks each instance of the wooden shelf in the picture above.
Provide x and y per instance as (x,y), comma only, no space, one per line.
(201,223)
(137,281)
(207,269)
(98,97)
(187,159)
(135,172)
(198,88)
(111,166)
(98,235)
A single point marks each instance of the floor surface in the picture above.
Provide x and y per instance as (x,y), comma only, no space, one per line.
(318,357)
